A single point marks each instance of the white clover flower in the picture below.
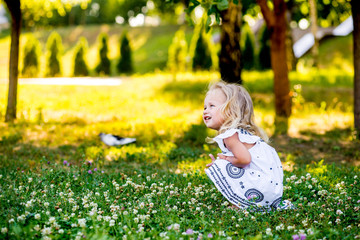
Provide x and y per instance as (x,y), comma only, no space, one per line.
(268,232)
(337,220)
(309,231)
(112,223)
(46,204)
(221,233)
(21,218)
(46,231)
(52,220)
(4,230)
(290,228)
(304,222)
(37,228)
(309,186)
(61,231)
(142,205)
(28,204)
(176,226)
(339,212)
(82,222)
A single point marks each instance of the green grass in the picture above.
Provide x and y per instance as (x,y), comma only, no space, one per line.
(156,188)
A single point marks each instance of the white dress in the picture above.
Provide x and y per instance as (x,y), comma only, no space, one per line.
(258,184)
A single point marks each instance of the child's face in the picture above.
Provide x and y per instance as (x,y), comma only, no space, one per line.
(212,115)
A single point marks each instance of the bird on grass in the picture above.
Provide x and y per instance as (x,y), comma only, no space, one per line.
(114,140)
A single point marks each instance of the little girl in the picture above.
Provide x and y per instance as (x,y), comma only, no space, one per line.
(249,171)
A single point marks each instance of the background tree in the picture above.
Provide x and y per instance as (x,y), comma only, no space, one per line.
(314,29)
(125,64)
(202,54)
(177,53)
(264,49)
(80,66)
(355,8)
(276,22)
(230,53)
(248,48)
(104,66)
(42,7)
(54,53)
(31,57)
(15,13)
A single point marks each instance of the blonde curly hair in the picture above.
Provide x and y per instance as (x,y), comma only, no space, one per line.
(237,111)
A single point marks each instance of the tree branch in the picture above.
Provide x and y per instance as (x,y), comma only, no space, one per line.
(266,12)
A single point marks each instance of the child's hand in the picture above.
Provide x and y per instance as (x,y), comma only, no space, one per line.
(212,160)
(222,156)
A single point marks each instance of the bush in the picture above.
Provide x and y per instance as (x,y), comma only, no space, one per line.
(104,66)
(264,52)
(178,52)
(125,64)
(80,67)
(202,55)
(53,56)
(31,56)
(248,51)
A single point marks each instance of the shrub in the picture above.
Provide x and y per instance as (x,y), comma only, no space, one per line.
(32,52)
(80,66)
(53,57)
(125,64)
(178,52)
(248,51)
(104,66)
(264,52)
(202,55)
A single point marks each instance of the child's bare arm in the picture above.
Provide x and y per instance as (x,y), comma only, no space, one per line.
(242,155)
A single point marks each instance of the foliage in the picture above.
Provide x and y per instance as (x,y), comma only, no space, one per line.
(31,56)
(125,64)
(178,52)
(202,54)
(104,66)
(264,49)
(80,66)
(40,12)
(54,54)
(248,48)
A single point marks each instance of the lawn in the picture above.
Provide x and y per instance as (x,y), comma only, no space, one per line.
(59,181)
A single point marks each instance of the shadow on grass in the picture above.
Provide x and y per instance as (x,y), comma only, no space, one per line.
(334,146)
(180,91)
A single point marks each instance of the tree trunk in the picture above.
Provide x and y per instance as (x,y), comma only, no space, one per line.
(314,29)
(15,12)
(355,9)
(276,23)
(230,55)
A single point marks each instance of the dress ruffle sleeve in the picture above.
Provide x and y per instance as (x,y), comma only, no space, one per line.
(244,136)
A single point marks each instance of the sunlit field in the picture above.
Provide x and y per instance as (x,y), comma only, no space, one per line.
(59,181)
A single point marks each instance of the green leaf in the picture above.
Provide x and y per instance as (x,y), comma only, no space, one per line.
(207,25)
(223,5)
